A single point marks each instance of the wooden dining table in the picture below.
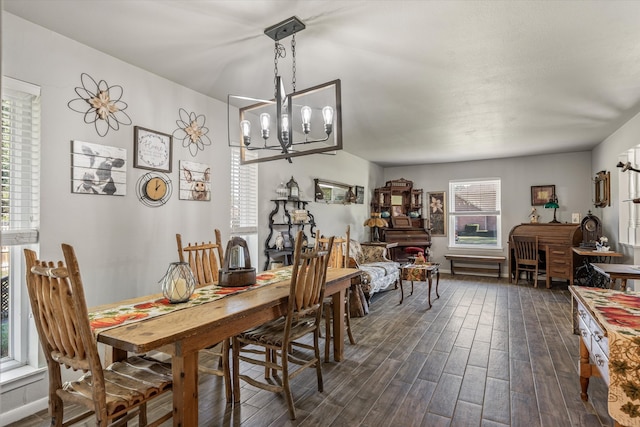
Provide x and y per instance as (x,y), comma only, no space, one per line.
(182,333)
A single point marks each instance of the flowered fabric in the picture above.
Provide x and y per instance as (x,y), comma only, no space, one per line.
(103,320)
(417,272)
(619,313)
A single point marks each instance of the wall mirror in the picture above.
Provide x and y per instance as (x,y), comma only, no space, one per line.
(331,192)
(602,190)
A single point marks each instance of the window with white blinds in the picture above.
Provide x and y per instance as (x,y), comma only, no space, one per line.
(244,195)
(20,207)
(474,213)
(20,162)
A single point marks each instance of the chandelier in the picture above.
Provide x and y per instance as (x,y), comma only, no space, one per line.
(300,123)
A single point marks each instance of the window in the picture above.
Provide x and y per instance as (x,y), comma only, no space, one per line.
(20,212)
(244,202)
(474,216)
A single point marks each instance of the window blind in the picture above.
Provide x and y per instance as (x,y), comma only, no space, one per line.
(476,196)
(20,204)
(244,195)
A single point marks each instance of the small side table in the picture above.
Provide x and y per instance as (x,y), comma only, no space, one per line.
(420,273)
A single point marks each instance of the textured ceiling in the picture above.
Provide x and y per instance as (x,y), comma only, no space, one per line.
(422,81)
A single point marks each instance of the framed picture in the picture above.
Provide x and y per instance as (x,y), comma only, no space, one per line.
(540,194)
(195,181)
(98,169)
(152,150)
(437,210)
(396,210)
(359,195)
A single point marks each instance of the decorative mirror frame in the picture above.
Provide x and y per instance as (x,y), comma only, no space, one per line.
(602,190)
(333,192)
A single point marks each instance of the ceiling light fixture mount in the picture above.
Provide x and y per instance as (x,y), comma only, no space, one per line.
(299,131)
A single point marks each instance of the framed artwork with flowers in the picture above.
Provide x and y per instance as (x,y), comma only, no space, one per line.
(437,213)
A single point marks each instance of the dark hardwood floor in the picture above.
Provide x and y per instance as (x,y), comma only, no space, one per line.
(488,353)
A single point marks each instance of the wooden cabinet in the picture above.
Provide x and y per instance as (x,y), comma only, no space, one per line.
(398,198)
(287,218)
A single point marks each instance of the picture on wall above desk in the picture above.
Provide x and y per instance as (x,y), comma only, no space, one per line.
(98,169)
(359,195)
(195,181)
(541,194)
(437,210)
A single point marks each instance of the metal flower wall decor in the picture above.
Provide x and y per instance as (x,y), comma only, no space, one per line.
(101,104)
(191,131)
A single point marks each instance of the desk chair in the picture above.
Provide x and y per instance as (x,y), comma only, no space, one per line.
(338,259)
(205,260)
(525,249)
(277,337)
(114,394)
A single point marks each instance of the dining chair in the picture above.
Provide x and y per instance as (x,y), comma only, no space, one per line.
(115,394)
(274,345)
(527,258)
(205,260)
(338,259)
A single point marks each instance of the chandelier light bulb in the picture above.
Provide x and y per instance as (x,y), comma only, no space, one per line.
(327,114)
(245,127)
(306,119)
(285,128)
(265,121)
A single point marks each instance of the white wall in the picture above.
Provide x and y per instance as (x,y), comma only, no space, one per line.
(569,172)
(605,157)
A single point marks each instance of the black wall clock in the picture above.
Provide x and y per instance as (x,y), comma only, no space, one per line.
(154,189)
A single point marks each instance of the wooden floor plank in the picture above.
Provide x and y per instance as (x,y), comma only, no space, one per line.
(488,353)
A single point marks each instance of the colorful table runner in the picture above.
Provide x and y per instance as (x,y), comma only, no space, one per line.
(417,272)
(128,313)
(619,313)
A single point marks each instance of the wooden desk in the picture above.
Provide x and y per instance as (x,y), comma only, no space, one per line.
(183,333)
(618,271)
(596,254)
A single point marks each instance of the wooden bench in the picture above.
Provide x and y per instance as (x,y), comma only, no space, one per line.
(492,261)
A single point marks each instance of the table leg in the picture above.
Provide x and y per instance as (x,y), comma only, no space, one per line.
(623,284)
(585,370)
(437,282)
(401,291)
(185,389)
(429,279)
(338,325)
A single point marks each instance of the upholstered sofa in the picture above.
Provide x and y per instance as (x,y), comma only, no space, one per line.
(380,272)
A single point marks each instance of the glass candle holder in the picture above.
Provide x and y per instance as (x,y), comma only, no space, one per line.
(178,282)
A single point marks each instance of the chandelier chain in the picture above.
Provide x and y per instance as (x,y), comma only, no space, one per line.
(278,52)
(293,53)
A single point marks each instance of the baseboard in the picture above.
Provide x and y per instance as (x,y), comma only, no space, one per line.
(24,411)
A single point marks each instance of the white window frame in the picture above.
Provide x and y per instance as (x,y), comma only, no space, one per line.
(24,348)
(453,214)
(244,201)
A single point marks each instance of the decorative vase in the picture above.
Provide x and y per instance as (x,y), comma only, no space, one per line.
(385,214)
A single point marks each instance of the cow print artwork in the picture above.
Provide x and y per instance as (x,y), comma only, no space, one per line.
(98,169)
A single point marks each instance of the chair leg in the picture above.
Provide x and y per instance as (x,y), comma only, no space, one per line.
(286,389)
(348,317)
(316,342)
(235,348)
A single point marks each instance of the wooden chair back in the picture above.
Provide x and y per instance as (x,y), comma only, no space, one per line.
(340,251)
(308,280)
(205,259)
(525,249)
(119,392)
